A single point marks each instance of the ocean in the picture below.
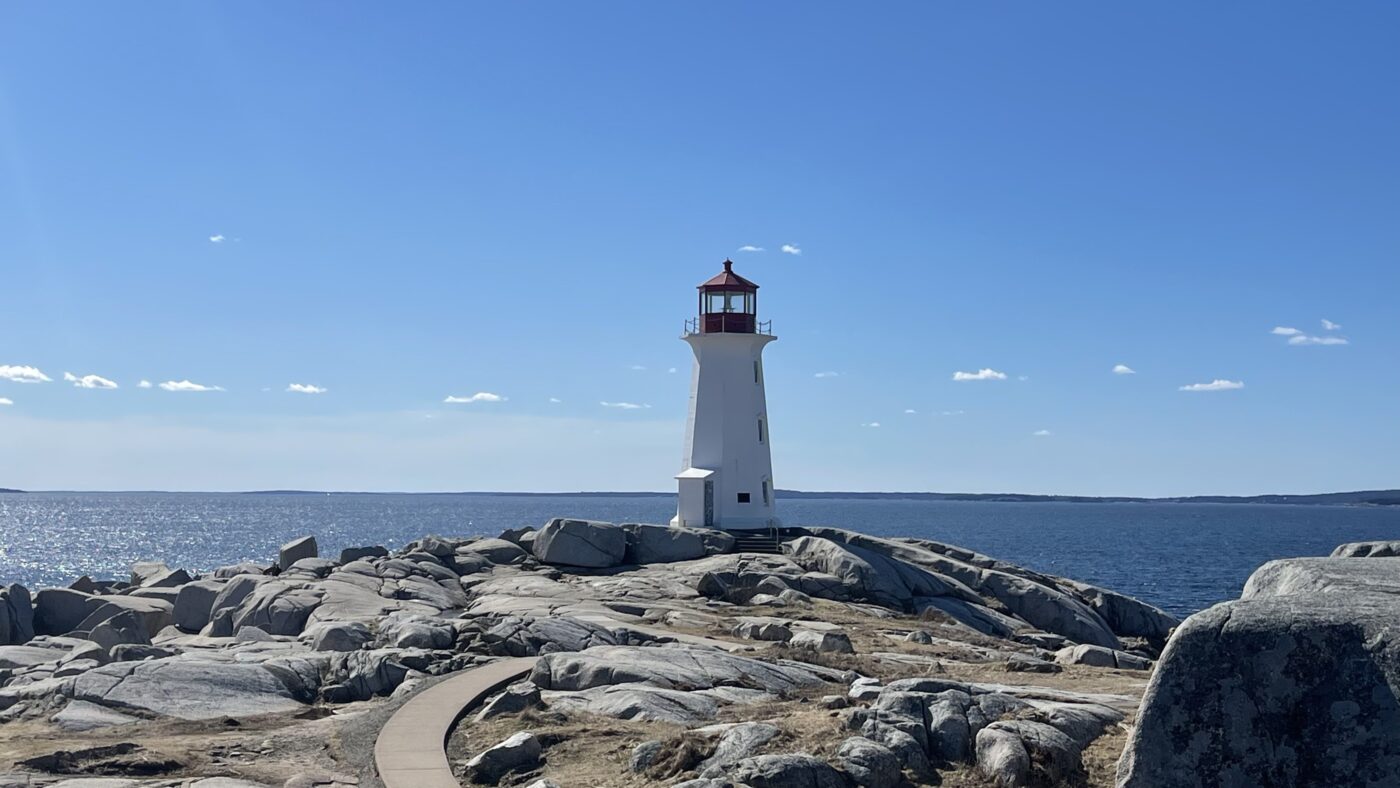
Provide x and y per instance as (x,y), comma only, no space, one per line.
(1181,557)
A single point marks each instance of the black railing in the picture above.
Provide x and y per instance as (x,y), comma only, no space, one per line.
(699,325)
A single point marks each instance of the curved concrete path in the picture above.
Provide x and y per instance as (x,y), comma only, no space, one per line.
(411,751)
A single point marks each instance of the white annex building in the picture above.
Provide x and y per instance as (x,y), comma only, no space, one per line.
(727,481)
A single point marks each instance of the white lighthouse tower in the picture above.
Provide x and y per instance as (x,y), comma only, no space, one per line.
(727,481)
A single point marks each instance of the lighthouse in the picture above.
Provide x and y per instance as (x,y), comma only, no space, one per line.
(727,476)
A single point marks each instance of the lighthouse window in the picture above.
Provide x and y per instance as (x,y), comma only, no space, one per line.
(743,497)
(755,372)
(765,492)
(760,431)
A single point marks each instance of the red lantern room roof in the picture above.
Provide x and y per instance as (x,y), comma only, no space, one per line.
(728,281)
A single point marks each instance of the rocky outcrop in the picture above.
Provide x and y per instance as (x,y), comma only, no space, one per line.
(1385,549)
(584,543)
(669,667)
(16,615)
(1297,683)
(186,689)
(528,636)
(661,544)
(1098,656)
(520,751)
(295,550)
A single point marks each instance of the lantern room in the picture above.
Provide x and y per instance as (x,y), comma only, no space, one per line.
(728,304)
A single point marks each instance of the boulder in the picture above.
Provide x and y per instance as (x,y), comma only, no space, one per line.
(350,554)
(16,615)
(869,764)
(135,652)
(58,611)
(1050,757)
(527,636)
(338,636)
(186,689)
(360,675)
(669,667)
(153,614)
(467,562)
(80,715)
(867,574)
(295,550)
(169,578)
(1098,656)
(122,628)
(143,571)
(516,698)
(519,752)
(661,544)
(1295,684)
(1383,549)
(194,603)
(13,657)
(234,570)
(416,632)
(277,607)
(497,551)
(769,629)
(1002,758)
(584,543)
(737,743)
(793,770)
(646,703)
(823,640)
(311,568)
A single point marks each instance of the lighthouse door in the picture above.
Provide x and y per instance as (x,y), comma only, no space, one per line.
(709,503)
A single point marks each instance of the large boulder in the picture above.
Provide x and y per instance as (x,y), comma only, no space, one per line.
(673,667)
(194,603)
(792,770)
(153,614)
(870,764)
(1385,549)
(661,544)
(868,574)
(16,615)
(497,551)
(1298,683)
(277,607)
(186,689)
(520,751)
(528,636)
(356,553)
(295,550)
(58,611)
(584,543)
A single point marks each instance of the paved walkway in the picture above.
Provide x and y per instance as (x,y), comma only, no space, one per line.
(411,751)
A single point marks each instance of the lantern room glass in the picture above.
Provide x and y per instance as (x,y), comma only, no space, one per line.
(728,302)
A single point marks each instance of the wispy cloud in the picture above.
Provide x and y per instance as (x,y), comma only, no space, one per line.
(1305,339)
(750,248)
(827,375)
(1123,369)
(625,405)
(216,239)
(671,371)
(871,424)
(1215,385)
(480,396)
(910,410)
(22,374)
(1328,325)
(305,388)
(185,385)
(89,381)
(1285,331)
(953,413)
(981,374)
(555,400)
(791,249)
(4,401)
(145,384)
(637,368)
(1042,433)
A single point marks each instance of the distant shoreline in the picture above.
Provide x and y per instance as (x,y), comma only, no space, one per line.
(1359,498)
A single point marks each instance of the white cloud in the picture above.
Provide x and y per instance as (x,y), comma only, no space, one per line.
(185,385)
(910,410)
(22,374)
(1328,325)
(89,381)
(1023,378)
(305,388)
(1285,331)
(791,249)
(4,401)
(216,239)
(871,424)
(981,374)
(750,248)
(1042,433)
(671,371)
(1215,385)
(624,405)
(1304,339)
(1123,369)
(145,384)
(827,375)
(637,368)
(480,396)
(555,400)
(952,413)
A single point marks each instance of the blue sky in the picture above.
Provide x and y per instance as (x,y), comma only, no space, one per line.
(400,204)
